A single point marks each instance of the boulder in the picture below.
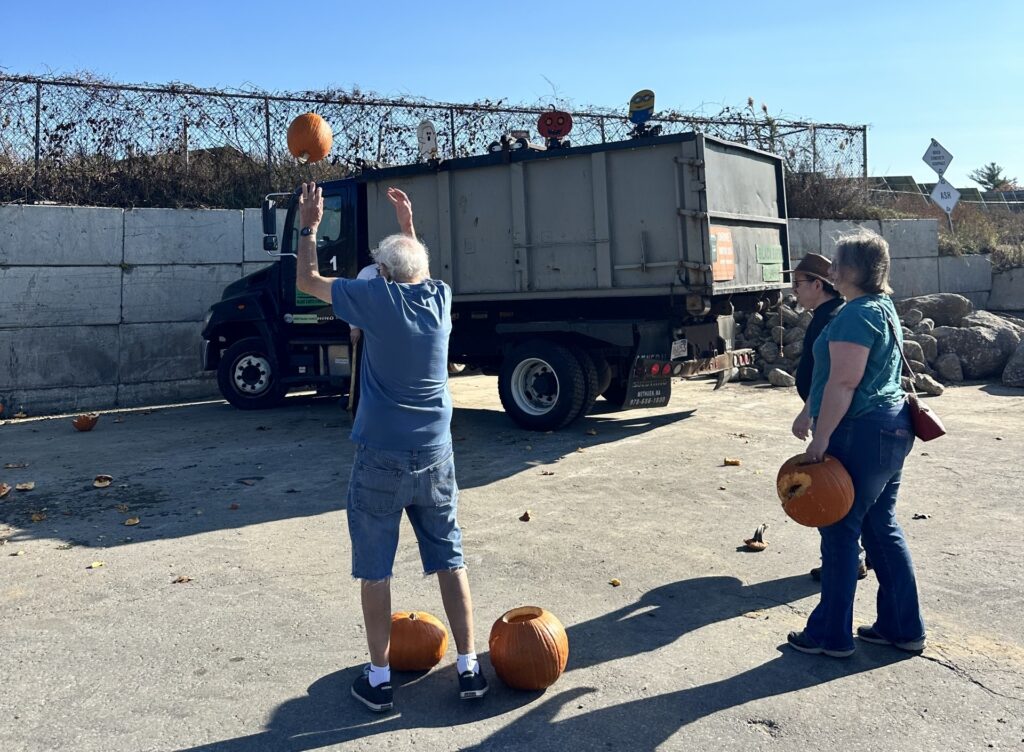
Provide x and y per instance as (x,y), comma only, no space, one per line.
(777,377)
(918,367)
(805,319)
(923,326)
(748,374)
(928,385)
(913,350)
(1013,374)
(906,383)
(991,320)
(795,334)
(778,332)
(949,369)
(981,353)
(945,308)
(772,319)
(788,316)
(912,317)
(769,352)
(940,332)
(929,346)
(793,350)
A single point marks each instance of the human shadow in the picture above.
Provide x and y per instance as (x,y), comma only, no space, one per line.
(327,715)
(195,469)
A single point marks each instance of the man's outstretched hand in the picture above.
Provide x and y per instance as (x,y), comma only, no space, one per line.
(311,205)
(403,210)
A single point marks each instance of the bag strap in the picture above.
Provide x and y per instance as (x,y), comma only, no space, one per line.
(906,363)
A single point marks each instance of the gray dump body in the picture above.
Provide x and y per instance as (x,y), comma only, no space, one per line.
(685,213)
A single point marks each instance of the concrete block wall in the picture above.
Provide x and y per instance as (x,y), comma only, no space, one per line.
(102,308)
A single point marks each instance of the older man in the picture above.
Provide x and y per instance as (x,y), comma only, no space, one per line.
(403,459)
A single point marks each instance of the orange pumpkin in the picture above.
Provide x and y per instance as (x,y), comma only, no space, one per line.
(85,422)
(817,494)
(418,641)
(309,138)
(529,648)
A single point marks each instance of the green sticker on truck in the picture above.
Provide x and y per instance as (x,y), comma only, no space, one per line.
(769,254)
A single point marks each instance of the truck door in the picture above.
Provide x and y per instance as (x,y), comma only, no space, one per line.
(337,256)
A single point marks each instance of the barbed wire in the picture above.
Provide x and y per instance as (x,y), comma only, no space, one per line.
(83,140)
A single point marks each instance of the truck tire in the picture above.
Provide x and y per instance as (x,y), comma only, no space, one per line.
(247,376)
(541,385)
(590,378)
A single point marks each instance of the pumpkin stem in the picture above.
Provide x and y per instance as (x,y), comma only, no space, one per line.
(412,616)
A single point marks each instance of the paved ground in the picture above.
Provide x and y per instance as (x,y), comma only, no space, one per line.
(257,651)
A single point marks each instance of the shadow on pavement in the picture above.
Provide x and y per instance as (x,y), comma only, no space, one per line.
(193,469)
(327,715)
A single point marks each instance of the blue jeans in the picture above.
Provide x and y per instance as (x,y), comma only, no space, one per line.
(383,484)
(872,448)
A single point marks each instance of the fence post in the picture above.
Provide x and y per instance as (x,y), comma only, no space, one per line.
(814,149)
(600,122)
(451,125)
(184,141)
(864,162)
(39,96)
(266,123)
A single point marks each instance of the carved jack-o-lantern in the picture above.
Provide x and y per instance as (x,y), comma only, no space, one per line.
(554,124)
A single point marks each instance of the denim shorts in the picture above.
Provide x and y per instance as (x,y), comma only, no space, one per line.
(383,484)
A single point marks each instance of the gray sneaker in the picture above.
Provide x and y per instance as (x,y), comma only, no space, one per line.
(870,634)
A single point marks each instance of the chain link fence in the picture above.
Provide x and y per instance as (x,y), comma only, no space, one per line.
(89,142)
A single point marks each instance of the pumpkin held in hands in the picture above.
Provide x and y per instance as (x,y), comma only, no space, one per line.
(529,648)
(418,641)
(817,494)
(309,138)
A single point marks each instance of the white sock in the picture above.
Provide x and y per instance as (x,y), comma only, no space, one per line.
(379,674)
(467,662)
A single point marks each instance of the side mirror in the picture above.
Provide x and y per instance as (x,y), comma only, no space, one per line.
(270,243)
(269,217)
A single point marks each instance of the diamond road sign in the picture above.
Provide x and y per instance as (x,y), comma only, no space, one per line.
(945,195)
(937,157)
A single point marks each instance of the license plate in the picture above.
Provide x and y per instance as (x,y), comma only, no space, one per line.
(680,348)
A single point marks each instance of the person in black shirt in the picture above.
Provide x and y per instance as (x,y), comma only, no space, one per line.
(814,293)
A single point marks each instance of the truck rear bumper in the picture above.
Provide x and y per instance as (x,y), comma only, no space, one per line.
(724,362)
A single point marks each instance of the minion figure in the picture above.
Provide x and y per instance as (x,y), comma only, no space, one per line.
(641,108)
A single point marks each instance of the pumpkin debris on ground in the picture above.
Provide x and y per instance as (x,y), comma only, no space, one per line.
(757,543)
(730,462)
(525,516)
(38,516)
(547,472)
(122,508)
(15,465)
(922,516)
(26,486)
(96,565)
(4,490)
(614,582)
(131,521)
(102,481)
(85,422)
(181,578)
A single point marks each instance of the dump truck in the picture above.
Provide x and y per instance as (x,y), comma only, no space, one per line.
(577,273)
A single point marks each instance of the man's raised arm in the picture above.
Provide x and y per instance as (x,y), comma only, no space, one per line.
(403,211)
(307,268)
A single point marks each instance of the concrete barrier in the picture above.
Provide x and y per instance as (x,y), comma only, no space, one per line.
(61,235)
(174,292)
(1007,290)
(32,296)
(182,236)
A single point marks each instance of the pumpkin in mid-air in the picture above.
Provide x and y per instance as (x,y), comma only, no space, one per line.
(418,641)
(815,494)
(309,138)
(529,648)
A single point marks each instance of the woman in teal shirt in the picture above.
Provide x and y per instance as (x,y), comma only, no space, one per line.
(861,418)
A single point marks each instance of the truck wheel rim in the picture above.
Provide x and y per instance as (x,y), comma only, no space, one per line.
(534,386)
(252,375)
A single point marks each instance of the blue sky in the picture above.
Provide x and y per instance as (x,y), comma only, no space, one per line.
(910,70)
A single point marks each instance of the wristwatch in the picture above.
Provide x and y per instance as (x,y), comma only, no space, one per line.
(306,231)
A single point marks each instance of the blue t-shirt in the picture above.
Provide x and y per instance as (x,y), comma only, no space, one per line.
(863,321)
(404,400)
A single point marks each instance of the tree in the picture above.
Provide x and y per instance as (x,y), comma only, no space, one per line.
(991,178)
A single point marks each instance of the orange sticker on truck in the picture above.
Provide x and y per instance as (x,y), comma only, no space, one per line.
(723,258)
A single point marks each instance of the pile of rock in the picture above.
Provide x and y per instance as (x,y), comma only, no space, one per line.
(945,339)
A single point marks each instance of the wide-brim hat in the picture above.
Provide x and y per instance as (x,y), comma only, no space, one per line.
(813,265)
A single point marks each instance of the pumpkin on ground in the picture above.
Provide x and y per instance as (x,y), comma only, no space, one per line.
(418,641)
(85,422)
(817,494)
(309,138)
(529,648)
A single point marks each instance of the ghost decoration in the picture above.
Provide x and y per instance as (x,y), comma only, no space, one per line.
(426,136)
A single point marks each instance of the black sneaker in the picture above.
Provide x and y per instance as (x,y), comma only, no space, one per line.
(378,699)
(862,572)
(472,685)
(800,641)
(870,634)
